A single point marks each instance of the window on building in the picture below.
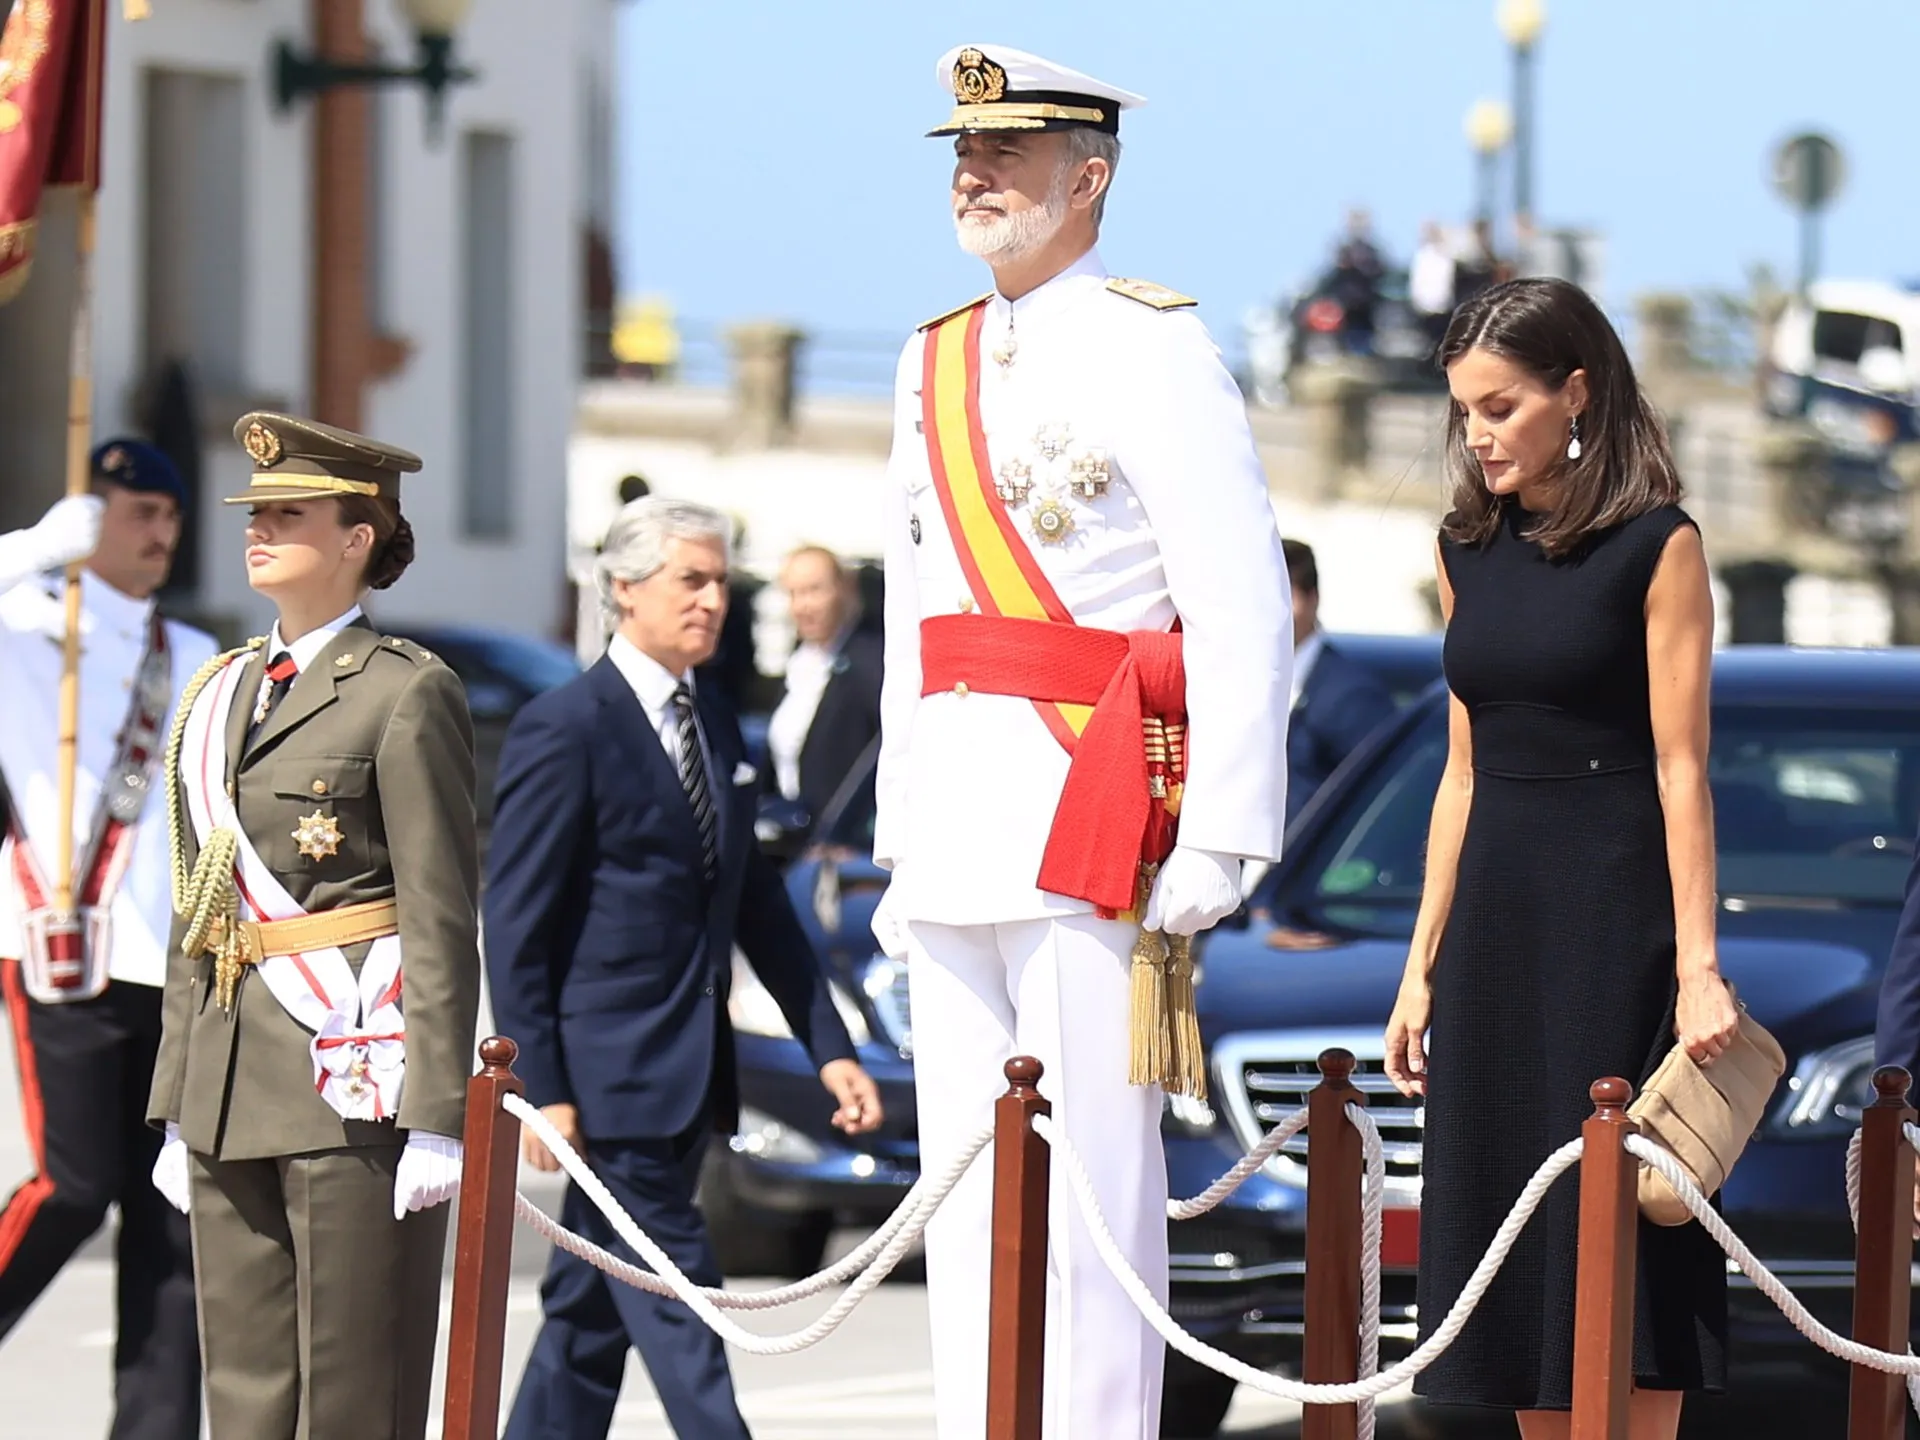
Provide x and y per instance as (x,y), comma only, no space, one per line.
(487,349)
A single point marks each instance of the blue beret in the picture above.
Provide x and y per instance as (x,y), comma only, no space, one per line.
(137,465)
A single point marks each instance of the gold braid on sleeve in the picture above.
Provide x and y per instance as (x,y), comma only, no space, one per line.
(207,897)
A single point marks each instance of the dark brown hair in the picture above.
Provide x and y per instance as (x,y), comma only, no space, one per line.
(1551,328)
(392,549)
(1302,569)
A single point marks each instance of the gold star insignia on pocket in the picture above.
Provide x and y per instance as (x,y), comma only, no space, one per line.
(319,836)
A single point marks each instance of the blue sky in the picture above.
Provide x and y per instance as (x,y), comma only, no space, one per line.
(771,159)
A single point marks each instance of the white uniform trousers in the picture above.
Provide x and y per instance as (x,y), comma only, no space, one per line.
(1058,990)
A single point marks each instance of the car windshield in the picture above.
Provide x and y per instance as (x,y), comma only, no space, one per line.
(536,666)
(1809,805)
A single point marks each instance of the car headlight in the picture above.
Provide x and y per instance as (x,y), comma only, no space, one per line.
(1186,1115)
(1828,1090)
(754,1011)
(885,982)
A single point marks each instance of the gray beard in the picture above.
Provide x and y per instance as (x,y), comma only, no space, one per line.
(1016,235)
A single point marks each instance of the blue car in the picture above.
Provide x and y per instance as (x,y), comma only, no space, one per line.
(1815,771)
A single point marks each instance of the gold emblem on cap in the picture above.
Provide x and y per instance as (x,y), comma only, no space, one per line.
(977,80)
(263,444)
(319,836)
(114,460)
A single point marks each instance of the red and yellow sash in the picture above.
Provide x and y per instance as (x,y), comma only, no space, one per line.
(1000,569)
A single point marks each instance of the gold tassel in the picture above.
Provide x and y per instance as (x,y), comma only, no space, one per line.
(1188,1061)
(1152,1038)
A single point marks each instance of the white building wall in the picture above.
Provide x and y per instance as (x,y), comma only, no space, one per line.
(530,74)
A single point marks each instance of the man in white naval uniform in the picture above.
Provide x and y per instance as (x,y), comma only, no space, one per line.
(85,1023)
(1071,464)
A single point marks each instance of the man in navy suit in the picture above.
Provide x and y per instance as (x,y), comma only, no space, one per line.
(1336,701)
(623,870)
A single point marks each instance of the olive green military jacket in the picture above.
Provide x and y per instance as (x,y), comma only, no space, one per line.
(375,733)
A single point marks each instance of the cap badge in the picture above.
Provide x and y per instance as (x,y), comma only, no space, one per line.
(263,444)
(114,461)
(977,80)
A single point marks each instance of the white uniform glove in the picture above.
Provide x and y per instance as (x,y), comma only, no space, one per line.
(888,928)
(68,532)
(170,1171)
(30,610)
(1195,890)
(429,1173)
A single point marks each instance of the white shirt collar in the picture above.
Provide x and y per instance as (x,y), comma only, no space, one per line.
(113,608)
(1085,274)
(652,682)
(307,648)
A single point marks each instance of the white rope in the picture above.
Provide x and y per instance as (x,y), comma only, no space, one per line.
(694,1296)
(1913,1134)
(1551,1169)
(1853,1212)
(1373,1202)
(1764,1279)
(1243,1168)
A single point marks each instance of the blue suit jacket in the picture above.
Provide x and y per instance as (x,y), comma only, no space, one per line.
(1896,1038)
(608,953)
(1341,704)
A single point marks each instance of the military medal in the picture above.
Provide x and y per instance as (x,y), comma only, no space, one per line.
(1015,480)
(1052,520)
(1090,474)
(1051,441)
(318,836)
(1007,349)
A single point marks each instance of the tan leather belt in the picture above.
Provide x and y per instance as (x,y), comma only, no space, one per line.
(327,930)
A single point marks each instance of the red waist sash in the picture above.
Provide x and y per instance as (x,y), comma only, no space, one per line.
(1120,806)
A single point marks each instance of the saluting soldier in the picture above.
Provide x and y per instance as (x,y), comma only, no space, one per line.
(1083,717)
(84,1005)
(322,1000)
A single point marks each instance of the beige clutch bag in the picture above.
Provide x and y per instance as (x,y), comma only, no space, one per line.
(1705,1117)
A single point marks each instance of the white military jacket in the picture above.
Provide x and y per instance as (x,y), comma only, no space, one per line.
(30,664)
(967,784)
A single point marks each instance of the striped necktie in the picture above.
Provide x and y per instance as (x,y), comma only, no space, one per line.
(693,779)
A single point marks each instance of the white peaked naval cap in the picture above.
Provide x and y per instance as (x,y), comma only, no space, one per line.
(998,88)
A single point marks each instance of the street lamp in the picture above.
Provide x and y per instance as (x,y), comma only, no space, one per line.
(433,21)
(1521,21)
(1489,127)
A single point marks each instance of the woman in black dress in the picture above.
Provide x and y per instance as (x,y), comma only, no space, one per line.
(1566,931)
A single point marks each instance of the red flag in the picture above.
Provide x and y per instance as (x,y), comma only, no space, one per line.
(51,78)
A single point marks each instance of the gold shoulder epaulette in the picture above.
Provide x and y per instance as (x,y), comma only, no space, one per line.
(1148,293)
(957,310)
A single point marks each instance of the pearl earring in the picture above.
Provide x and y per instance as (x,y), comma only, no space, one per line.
(1573,438)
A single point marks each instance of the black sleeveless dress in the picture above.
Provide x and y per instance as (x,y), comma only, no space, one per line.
(1557,964)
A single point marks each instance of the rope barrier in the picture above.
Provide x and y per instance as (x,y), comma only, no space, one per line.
(1373,1205)
(1853,1213)
(1353,1392)
(698,1298)
(1243,1169)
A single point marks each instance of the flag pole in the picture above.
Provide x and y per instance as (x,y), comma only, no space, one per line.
(79,469)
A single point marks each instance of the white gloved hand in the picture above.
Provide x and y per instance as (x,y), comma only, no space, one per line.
(30,610)
(1195,890)
(428,1174)
(68,532)
(888,928)
(170,1171)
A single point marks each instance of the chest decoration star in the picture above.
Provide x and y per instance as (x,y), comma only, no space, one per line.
(1052,520)
(1089,475)
(1015,480)
(1052,440)
(319,836)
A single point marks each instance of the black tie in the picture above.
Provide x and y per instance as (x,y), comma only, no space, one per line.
(282,672)
(693,779)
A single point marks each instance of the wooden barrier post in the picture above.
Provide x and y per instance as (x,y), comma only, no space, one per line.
(483,1248)
(1017,1297)
(1336,1167)
(1883,1257)
(1603,1289)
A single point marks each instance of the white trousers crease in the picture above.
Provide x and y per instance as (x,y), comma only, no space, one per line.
(1058,990)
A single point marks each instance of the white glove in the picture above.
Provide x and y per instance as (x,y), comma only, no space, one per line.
(888,928)
(170,1171)
(429,1173)
(30,610)
(1195,890)
(68,532)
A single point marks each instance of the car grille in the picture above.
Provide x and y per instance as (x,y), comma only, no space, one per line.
(1265,1077)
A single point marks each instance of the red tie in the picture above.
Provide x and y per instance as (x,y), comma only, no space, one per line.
(280,674)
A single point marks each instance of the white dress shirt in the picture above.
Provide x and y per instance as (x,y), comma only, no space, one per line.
(1304,656)
(653,685)
(809,669)
(968,784)
(114,639)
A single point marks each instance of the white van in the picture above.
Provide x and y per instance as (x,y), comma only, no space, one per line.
(1847,359)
